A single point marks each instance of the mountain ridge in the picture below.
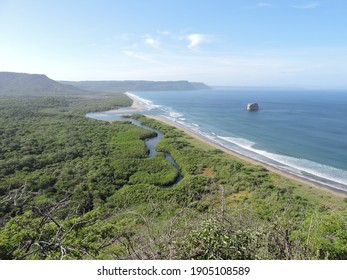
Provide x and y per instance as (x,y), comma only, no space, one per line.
(12,83)
(15,84)
(141,85)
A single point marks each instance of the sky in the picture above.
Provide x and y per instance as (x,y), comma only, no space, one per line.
(219,42)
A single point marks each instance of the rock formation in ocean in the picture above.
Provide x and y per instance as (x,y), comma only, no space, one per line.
(252,107)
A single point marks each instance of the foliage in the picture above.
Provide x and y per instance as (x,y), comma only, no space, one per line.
(77,188)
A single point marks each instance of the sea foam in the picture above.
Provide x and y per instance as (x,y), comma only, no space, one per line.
(147,104)
(298,166)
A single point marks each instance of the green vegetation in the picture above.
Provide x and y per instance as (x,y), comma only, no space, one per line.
(22,84)
(77,188)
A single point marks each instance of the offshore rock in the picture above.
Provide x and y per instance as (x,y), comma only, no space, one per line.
(252,107)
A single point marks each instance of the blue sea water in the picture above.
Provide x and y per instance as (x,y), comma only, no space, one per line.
(303,132)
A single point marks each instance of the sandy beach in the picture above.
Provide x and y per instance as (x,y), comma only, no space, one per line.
(136,106)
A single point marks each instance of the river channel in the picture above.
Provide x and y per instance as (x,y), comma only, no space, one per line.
(150,143)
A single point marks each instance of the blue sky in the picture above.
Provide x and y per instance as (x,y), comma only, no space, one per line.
(219,42)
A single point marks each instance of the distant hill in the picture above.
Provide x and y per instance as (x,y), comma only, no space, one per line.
(33,84)
(37,84)
(114,86)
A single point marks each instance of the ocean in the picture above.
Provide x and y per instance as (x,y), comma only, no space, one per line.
(302,132)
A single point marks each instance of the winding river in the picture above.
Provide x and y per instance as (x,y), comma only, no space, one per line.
(151,147)
(150,143)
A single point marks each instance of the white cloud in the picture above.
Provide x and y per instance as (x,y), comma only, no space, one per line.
(125,36)
(141,56)
(195,40)
(260,5)
(164,32)
(263,5)
(151,42)
(305,6)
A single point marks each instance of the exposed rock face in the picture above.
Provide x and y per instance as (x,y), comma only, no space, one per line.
(252,107)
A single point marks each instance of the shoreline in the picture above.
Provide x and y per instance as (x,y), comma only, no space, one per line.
(136,104)
(248,159)
(137,107)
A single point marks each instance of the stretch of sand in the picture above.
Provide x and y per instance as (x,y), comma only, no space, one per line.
(136,106)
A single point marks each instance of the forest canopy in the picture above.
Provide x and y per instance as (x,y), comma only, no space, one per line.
(77,188)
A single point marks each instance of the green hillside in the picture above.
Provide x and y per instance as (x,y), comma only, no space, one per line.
(33,84)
